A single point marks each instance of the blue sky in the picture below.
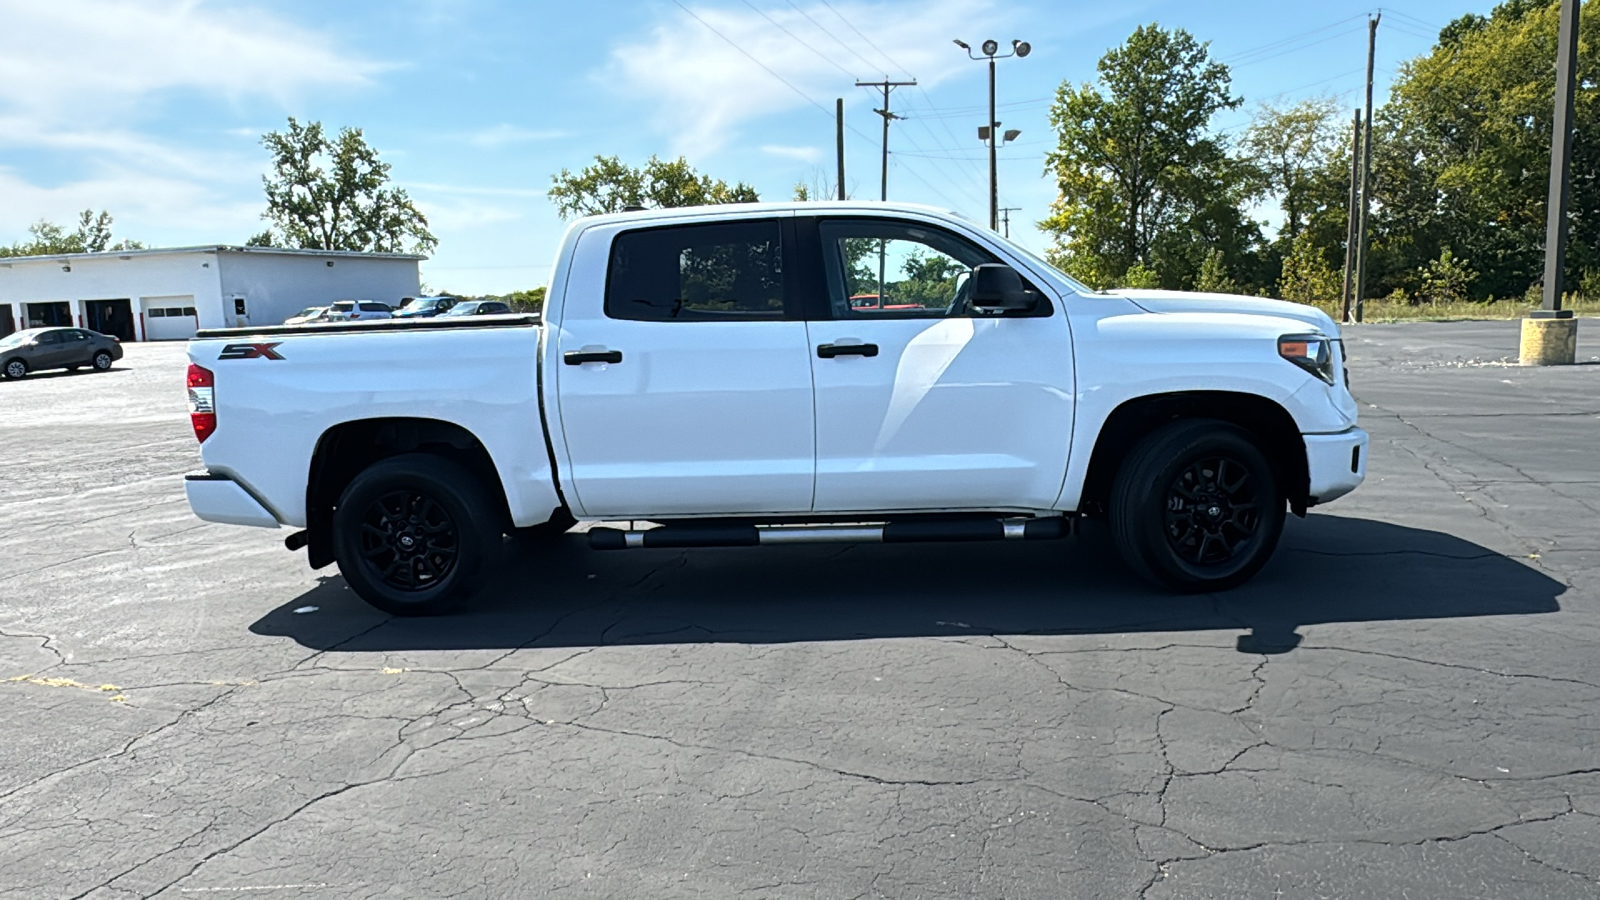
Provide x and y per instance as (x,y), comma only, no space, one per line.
(153,109)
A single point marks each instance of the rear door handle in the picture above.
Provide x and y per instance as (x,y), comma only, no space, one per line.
(579,357)
(829,351)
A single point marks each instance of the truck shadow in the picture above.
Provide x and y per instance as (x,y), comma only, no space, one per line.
(1328,569)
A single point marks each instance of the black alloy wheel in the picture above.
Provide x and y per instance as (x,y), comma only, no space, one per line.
(409,540)
(1212,513)
(1195,506)
(414,535)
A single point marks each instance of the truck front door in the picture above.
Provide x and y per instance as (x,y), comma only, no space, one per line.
(683,375)
(924,403)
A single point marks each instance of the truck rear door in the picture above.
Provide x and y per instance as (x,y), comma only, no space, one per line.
(683,371)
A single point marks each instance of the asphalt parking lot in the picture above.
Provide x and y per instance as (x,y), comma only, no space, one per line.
(1406,703)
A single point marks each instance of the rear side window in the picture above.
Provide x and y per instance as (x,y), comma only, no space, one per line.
(374,307)
(718,272)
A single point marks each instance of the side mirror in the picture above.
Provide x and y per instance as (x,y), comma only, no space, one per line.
(997,287)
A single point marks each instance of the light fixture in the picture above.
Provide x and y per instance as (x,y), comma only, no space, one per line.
(66,268)
(1022,48)
(1010,135)
(330,263)
(962,44)
(991,47)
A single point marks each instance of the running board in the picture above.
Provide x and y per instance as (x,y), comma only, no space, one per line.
(720,535)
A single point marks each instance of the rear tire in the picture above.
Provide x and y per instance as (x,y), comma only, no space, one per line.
(414,535)
(1196,507)
(102,361)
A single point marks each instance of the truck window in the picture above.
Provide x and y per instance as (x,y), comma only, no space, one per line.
(884,269)
(716,272)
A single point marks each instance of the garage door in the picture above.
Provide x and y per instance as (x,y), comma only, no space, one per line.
(169,318)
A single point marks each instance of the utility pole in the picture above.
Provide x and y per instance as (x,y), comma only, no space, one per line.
(1350,221)
(1005,217)
(838,138)
(883,190)
(1550,335)
(1366,173)
(886,86)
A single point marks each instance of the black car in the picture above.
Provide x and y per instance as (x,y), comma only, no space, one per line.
(479,308)
(56,348)
(425,307)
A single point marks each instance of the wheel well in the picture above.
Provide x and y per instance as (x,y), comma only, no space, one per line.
(1270,424)
(346,449)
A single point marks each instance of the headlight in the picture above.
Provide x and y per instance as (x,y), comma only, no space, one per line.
(1312,352)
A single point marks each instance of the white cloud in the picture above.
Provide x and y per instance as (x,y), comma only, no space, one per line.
(803,154)
(704,87)
(90,58)
(504,134)
(81,78)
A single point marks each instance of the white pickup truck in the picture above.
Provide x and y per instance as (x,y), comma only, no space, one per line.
(780,373)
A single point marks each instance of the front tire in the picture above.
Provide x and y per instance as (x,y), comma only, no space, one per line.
(15,369)
(414,534)
(1196,507)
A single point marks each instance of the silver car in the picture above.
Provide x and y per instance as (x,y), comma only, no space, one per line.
(56,348)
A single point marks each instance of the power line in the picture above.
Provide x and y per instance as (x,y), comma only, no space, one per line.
(1272,45)
(807,97)
(731,43)
(852,26)
(800,41)
(1294,49)
(1392,13)
(849,49)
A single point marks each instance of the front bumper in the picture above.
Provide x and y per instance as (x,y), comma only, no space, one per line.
(1337,464)
(218,498)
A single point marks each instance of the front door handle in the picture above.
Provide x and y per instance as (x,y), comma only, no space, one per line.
(829,351)
(579,357)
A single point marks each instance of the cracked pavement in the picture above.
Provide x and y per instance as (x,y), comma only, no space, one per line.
(1403,704)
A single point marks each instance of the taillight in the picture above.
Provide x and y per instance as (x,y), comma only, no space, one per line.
(202,401)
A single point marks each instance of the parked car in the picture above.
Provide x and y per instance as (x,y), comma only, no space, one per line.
(703,368)
(57,348)
(309,314)
(478,308)
(358,311)
(425,307)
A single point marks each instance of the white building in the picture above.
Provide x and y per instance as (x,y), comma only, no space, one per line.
(140,295)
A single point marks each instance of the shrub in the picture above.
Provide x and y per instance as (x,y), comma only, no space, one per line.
(1213,277)
(1446,279)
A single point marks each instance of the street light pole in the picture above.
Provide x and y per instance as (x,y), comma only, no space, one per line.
(994,178)
(991,53)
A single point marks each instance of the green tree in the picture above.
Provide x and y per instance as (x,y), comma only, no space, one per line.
(93,236)
(609,185)
(333,193)
(1462,156)
(1306,276)
(1293,146)
(1446,279)
(1141,179)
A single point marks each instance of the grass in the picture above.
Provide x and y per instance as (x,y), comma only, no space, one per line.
(1394,311)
